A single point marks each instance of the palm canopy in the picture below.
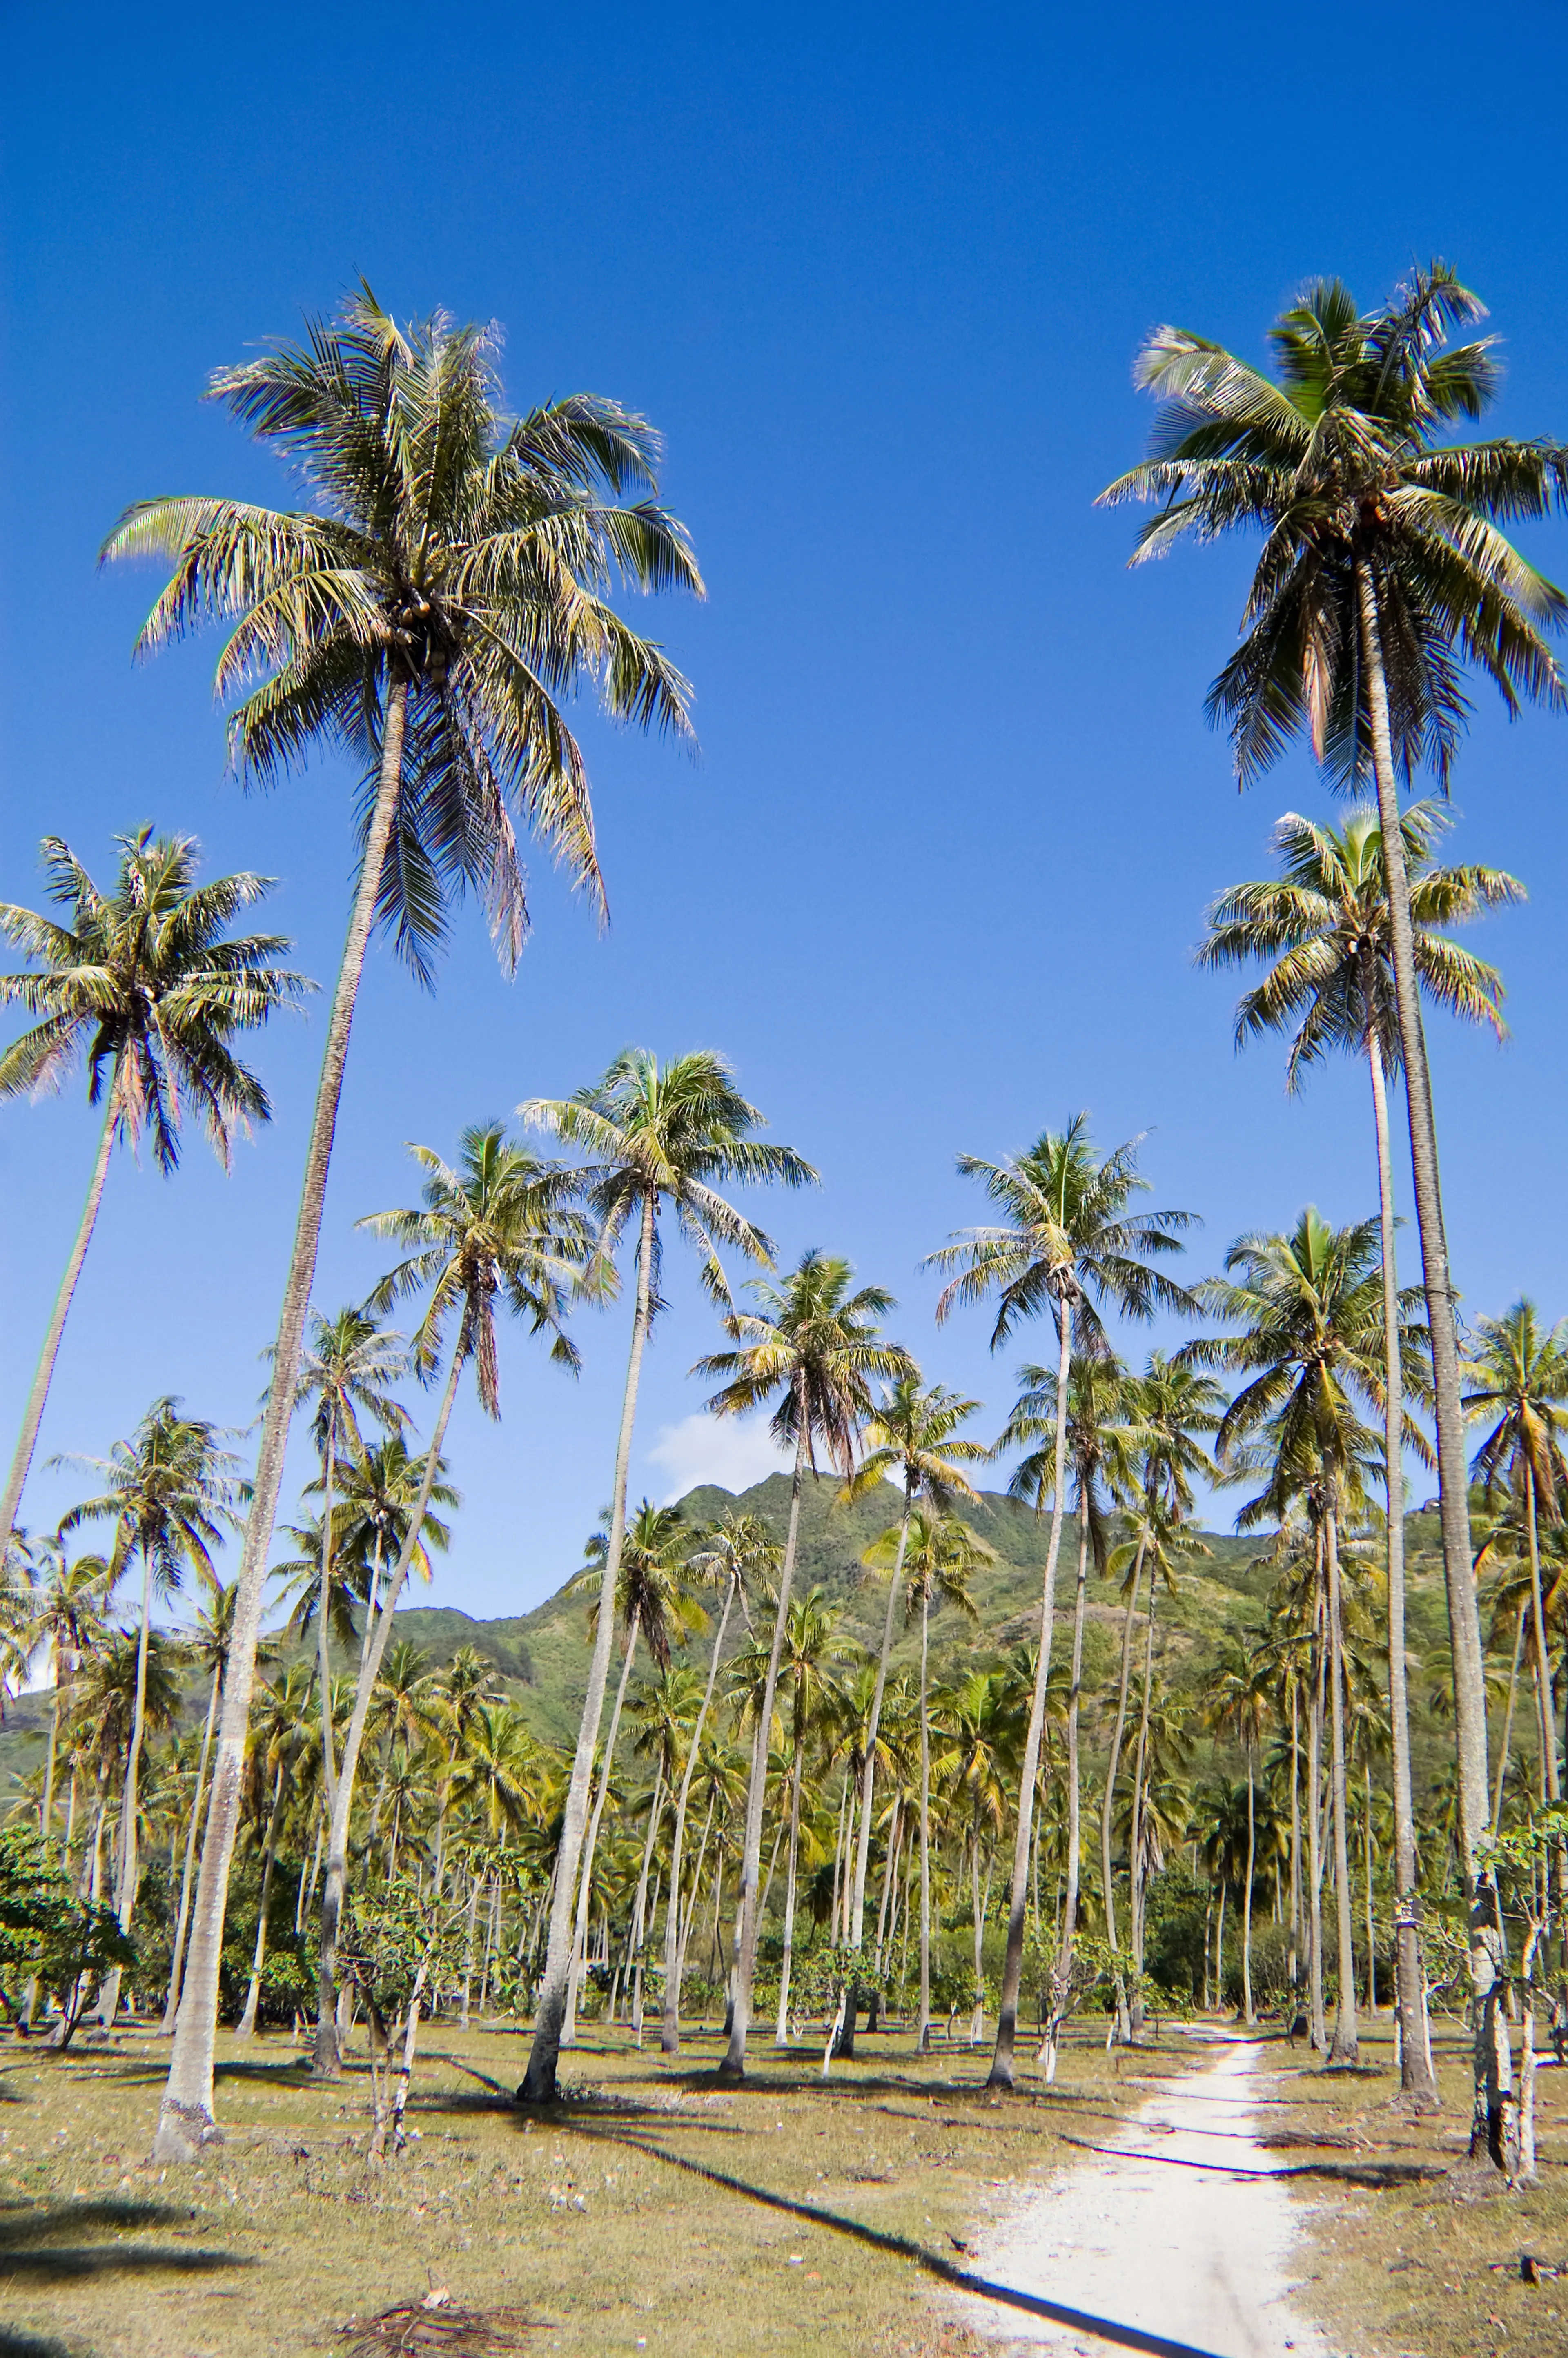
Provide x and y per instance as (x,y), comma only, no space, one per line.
(813,1347)
(670,1133)
(168,1490)
(941,1557)
(496,1224)
(1517,1374)
(147,986)
(1325,923)
(1066,1237)
(379,1494)
(348,1363)
(652,1599)
(913,1437)
(737,1553)
(1104,1439)
(1305,1312)
(450,551)
(1337,461)
(1174,1406)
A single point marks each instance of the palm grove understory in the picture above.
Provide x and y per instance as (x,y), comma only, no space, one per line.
(1016,1767)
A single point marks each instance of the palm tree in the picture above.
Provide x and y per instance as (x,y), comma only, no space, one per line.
(278,1734)
(1307,1315)
(207,1643)
(813,1347)
(1384,572)
(914,1437)
(1240,1695)
(148,986)
(658,1136)
(375,1515)
(812,1646)
(940,1555)
(495,1226)
(1325,924)
(1065,1241)
(980,1717)
(739,1552)
(468,1685)
(65,1619)
(432,612)
(169,1491)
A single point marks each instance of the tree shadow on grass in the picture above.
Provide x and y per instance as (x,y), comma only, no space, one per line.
(29,2249)
(17,2344)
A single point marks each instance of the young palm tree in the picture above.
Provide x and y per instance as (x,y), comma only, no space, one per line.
(432,612)
(169,1491)
(1066,1242)
(739,1553)
(1306,1317)
(658,1137)
(813,1347)
(1325,924)
(148,986)
(914,1437)
(1385,571)
(493,1229)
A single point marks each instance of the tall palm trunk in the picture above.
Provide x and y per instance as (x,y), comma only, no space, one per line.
(128,1865)
(781,2033)
(1452,1470)
(1345,2047)
(1317,2027)
(1416,2081)
(675,1947)
(734,2066)
(1002,2074)
(925,2041)
(640,1909)
(335,1884)
(863,1845)
(1508,1722)
(1062,1979)
(1296,1837)
(1135,1582)
(27,1440)
(539,2081)
(585,1880)
(1140,1801)
(323,1607)
(185,2116)
(247,2022)
(177,1960)
(1246,2016)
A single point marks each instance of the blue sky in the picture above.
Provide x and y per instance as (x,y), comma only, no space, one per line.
(877,276)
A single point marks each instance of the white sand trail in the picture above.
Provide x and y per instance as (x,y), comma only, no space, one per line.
(1195,2256)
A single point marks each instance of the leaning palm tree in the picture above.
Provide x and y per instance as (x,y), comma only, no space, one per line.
(432,612)
(1384,572)
(1324,925)
(813,1347)
(146,986)
(658,1137)
(169,1490)
(739,1553)
(1066,1241)
(495,1228)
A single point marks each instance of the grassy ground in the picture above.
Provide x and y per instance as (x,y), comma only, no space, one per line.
(1429,2267)
(656,2211)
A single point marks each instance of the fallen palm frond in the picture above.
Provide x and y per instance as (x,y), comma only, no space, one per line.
(439,2328)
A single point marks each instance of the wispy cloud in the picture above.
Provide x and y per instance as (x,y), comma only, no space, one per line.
(731,1451)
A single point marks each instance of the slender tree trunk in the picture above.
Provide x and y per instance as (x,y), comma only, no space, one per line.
(1371,1925)
(185,2118)
(1139,1800)
(1508,1722)
(863,1846)
(585,1880)
(27,1440)
(323,1608)
(1346,2045)
(1063,1977)
(335,1885)
(781,2033)
(1135,1582)
(674,1948)
(639,1939)
(539,2079)
(1317,2027)
(177,1960)
(1003,2071)
(1453,1468)
(734,2066)
(1247,2015)
(128,1864)
(247,2022)
(1295,1840)
(1416,2081)
(924,2040)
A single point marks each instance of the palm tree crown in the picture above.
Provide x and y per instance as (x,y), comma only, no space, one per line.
(813,1345)
(1518,1375)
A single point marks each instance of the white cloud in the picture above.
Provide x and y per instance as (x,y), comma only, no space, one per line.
(731,1451)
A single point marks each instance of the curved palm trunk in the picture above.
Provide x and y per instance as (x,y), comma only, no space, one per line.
(675,1947)
(323,1607)
(1416,2081)
(924,2040)
(734,2067)
(1135,1582)
(1002,2073)
(1453,1471)
(1139,1796)
(185,2116)
(585,1881)
(539,2081)
(335,1885)
(781,2033)
(247,2022)
(27,1440)
(177,1960)
(128,1864)
(1346,2046)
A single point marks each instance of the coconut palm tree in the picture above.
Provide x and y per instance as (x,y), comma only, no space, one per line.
(432,612)
(1240,1695)
(980,1718)
(278,1730)
(659,1137)
(65,1620)
(148,986)
(1065,1241)
(375,1515)
(739,1553)
(812,1647)
(467,1686)
(1385,571)
(813,1347)
(207,1643)
(1325,924)
(169,1491)
(912,1438)
(940,1556)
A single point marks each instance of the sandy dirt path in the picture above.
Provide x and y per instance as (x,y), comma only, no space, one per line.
(1200,2257)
